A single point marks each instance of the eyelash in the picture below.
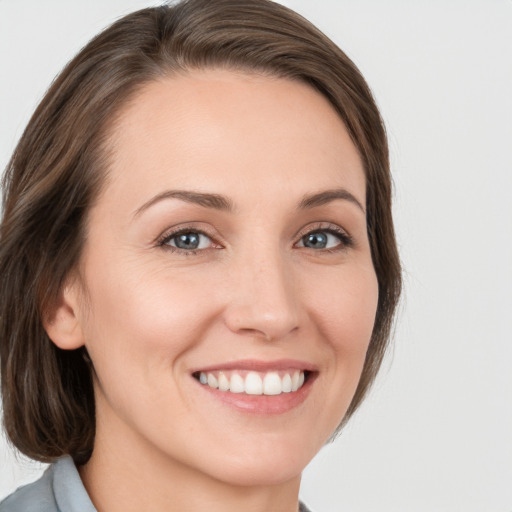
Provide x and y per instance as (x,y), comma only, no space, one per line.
(346,241)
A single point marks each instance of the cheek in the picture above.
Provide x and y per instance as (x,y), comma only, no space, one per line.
(143,321)
(342,306)
(345,304)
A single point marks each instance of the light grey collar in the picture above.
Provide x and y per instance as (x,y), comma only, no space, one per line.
(69,491)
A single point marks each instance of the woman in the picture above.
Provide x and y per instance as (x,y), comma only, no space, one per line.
(199,270)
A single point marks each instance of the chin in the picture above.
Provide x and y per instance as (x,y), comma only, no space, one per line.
(265,463)
(260,473)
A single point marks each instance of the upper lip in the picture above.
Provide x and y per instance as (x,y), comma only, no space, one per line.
(258,365)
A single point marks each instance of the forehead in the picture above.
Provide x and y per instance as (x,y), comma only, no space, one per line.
(217,128)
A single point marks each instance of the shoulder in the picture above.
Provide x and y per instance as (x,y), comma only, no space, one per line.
(60,489)
(35,497)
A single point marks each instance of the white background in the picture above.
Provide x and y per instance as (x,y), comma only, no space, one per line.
(436,433)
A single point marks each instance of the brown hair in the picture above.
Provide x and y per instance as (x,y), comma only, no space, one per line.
(60,162)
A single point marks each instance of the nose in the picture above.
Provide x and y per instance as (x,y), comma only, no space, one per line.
(264,302)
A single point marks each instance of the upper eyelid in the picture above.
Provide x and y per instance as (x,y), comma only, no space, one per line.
(318,226)
(321,226)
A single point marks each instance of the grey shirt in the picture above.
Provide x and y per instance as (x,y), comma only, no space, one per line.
(60,489)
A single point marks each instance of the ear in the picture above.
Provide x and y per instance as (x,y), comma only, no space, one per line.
(62,323)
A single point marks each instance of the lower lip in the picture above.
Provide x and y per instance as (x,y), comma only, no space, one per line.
(262,404)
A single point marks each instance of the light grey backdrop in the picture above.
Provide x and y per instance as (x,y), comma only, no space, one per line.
(436,433)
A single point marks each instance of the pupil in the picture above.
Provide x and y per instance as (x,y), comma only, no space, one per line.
(315,240)
(187,241)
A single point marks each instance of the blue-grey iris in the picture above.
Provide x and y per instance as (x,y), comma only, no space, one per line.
(316,240)
(187,241)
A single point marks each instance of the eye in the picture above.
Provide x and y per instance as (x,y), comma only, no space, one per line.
(319,240)
(188,241)
(330,239)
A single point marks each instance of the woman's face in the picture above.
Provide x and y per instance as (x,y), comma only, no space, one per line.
(228,248)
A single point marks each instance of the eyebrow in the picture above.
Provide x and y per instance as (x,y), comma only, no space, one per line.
(327,196)
(222,203)
(207,200)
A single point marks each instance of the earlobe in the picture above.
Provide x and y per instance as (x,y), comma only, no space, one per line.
(62,323)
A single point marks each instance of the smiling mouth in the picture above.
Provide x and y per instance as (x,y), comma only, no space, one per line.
(254,382)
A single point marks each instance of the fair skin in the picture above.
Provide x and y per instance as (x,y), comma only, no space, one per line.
(265,282)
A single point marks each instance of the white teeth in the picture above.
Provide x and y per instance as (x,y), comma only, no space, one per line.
(287,383)
(255,383)
(212,381)
(223,382)
(295,381)
(237,384)
(272,384)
